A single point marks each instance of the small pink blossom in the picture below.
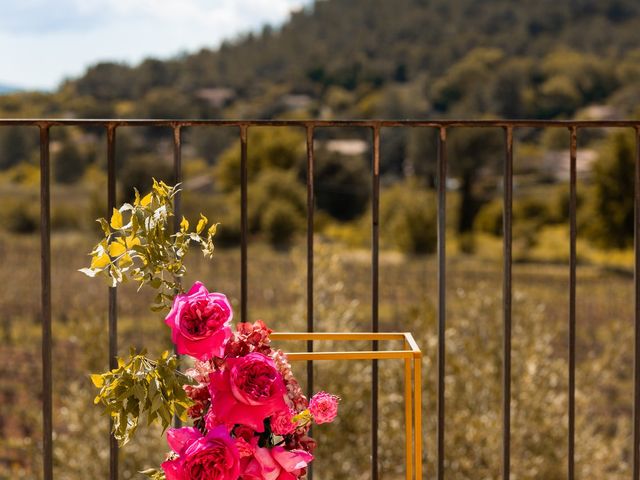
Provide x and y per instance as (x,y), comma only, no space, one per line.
(282,423)
(199,323)
(249,338)
(324,407)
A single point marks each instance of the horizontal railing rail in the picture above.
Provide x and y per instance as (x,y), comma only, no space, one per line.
(443,127)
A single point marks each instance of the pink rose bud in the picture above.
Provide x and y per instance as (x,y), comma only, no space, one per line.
(324,407)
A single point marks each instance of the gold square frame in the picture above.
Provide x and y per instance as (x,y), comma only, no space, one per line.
(412,356)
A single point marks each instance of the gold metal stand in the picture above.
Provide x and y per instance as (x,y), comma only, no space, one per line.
(412,379)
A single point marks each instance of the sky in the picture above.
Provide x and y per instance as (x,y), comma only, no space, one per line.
(42,42)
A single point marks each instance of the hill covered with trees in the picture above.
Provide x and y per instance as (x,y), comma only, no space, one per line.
(357,57)
(360,59)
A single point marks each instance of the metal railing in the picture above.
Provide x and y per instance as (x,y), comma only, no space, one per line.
(375,126)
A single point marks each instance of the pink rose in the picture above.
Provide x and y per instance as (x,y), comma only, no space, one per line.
(275,463)
(324,407)
(199,323)
(282,423)
(213,456)
(247,391)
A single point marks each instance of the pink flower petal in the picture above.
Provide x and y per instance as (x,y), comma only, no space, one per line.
(180,438)
(291,460)
(197,288)
(172,469)
(270,469)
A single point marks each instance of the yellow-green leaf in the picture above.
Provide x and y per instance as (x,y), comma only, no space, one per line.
(116,249)
(97,380)
(116,219)
(201,224)
(99,261)
(125,261)
(146,200)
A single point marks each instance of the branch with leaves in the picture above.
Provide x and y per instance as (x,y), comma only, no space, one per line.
(138,244)
(141,385)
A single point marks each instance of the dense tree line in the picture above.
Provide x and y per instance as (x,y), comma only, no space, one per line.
(361,59)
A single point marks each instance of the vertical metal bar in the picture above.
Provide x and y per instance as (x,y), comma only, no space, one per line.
(45,292)
(572,304)
(636,279)
(177,175)
(442,212)
(375,245)
(506,306)
(177,211)
(113,292)
(310,217)
(243,223)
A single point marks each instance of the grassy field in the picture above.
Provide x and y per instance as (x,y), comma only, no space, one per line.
(408,302)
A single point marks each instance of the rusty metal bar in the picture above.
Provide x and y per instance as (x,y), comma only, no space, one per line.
(310,217)
(113,291)
(442,293)
(177,211)
(438,123)
(506,304)
(375,287)
(572,305)
(636,279)
(45,305)
(243,223)
(177,175)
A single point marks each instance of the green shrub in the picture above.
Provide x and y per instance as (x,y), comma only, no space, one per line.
(280,222)
(408,218)
(138,171)
(526,212)
(612,225)
(70,162)
(489,218)
(68,217)
(267,148)
(272,186)
(21,216)
(272,196)
(342,184)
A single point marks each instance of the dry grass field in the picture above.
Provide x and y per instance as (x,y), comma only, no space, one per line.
(408,302)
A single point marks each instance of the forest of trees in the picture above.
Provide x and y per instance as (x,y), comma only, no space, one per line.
(362,59)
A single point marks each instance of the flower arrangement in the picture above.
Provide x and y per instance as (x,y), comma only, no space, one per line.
(250,419)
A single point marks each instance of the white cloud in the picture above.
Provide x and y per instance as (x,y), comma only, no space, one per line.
(43,41)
